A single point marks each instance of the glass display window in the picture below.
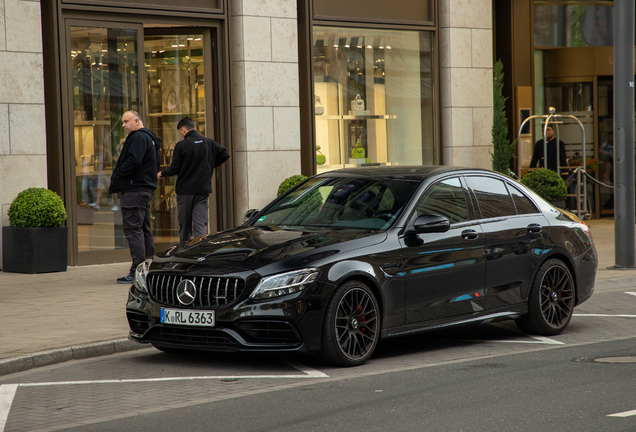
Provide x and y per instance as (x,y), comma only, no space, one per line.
(374,101)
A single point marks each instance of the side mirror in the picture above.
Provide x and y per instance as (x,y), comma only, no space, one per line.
(429,223)
(249,215)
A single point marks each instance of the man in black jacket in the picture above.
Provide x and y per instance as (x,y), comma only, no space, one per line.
(537,156)
(193,161)
(134,179)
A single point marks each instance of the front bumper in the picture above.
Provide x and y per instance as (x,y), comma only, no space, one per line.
(286,323)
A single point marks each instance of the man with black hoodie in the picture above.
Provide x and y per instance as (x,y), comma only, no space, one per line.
(193,161)
(134,179)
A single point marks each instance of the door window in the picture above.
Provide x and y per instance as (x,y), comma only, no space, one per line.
(175,81)
(445,198)
(105,84)
(492,197)
(522,202)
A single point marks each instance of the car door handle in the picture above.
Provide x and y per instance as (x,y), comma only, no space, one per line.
(470,234)
(534,228)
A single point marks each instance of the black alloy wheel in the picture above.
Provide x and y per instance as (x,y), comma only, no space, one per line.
(352,325)
(551,301)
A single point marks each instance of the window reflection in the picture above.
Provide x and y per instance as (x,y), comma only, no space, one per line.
(105,85)
(176,89)
(374,102)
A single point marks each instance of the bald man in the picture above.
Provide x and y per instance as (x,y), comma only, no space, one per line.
(134,179)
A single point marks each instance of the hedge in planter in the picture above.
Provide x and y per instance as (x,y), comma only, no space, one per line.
(36,241)
(547,184)
(290,182)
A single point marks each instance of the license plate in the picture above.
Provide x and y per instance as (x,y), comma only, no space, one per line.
(187,317)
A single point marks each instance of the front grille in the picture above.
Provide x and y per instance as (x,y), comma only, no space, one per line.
(191,336)
(211,290)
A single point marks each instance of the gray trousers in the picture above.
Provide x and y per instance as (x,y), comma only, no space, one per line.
(135,214)
(193,215)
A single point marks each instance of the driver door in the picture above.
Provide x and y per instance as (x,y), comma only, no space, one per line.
(445,272)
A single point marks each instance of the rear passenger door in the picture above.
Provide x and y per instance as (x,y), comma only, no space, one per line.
(515,238)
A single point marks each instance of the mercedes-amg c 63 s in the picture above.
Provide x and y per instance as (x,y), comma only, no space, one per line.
(353,256)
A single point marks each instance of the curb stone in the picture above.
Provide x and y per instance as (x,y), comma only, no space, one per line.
(47,358)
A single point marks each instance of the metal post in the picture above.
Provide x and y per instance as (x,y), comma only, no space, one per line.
(624,248)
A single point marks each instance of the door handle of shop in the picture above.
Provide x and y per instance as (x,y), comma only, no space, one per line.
(470,234)
(534,228)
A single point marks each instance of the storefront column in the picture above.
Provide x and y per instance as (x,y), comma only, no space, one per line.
(466,82)
(22,123)
(265,99)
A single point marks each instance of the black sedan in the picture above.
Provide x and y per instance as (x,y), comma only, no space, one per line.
(352,256)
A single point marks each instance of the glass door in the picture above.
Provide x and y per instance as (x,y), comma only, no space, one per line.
(104,83)
(175,88)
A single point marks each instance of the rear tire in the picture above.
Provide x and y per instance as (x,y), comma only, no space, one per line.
(351,328)
(551,300)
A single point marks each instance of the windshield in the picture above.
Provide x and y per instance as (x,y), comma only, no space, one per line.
(342,202)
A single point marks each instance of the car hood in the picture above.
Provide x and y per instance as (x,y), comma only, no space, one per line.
(251,248)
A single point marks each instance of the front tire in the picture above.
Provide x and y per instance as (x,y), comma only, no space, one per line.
(352,325)
(551,300)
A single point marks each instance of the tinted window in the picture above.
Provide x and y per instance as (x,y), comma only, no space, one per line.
(445,198)
(492,197)
(522,202)
(341,202)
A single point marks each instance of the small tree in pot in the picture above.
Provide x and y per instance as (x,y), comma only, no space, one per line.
(36,241)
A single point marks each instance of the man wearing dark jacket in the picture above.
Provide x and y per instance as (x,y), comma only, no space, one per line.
(193,161)
(134,179)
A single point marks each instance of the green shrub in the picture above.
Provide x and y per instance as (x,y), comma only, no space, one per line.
(290,182)
(37,208)
(547,184)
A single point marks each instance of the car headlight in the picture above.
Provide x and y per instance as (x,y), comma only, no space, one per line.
(285,283)
(140,275)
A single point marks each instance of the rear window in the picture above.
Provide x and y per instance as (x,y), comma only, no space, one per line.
(492,196)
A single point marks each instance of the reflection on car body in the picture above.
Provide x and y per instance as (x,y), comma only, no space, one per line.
(356,255)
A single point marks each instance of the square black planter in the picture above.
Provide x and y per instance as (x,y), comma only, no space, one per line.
(34,250)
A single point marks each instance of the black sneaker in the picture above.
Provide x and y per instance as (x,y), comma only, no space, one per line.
(128,279)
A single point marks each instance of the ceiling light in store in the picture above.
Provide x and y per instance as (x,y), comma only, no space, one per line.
(197,39)
(175,46)
(381,43)
(360,42)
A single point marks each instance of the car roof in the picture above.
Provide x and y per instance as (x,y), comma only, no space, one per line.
(415,172)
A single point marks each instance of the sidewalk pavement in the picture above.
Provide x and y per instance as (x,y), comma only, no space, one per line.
(55,317)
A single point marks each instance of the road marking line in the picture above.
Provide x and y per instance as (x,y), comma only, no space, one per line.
(7,393)
(195,378)
(623,414)
(604,315)
(312,373)
(631,293)
(539,340)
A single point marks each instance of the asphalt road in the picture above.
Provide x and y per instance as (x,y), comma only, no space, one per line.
(483,378)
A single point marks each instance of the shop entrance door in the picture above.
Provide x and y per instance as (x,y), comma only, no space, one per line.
(104,83)
(165,75)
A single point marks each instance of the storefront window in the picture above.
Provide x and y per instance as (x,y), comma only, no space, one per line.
(575,25)
(374,97)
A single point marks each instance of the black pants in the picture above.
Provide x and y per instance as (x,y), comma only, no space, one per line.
(135,213)
(193,214)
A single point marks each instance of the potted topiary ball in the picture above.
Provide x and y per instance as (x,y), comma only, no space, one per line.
(548,185)
(290,182)
(36,240)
